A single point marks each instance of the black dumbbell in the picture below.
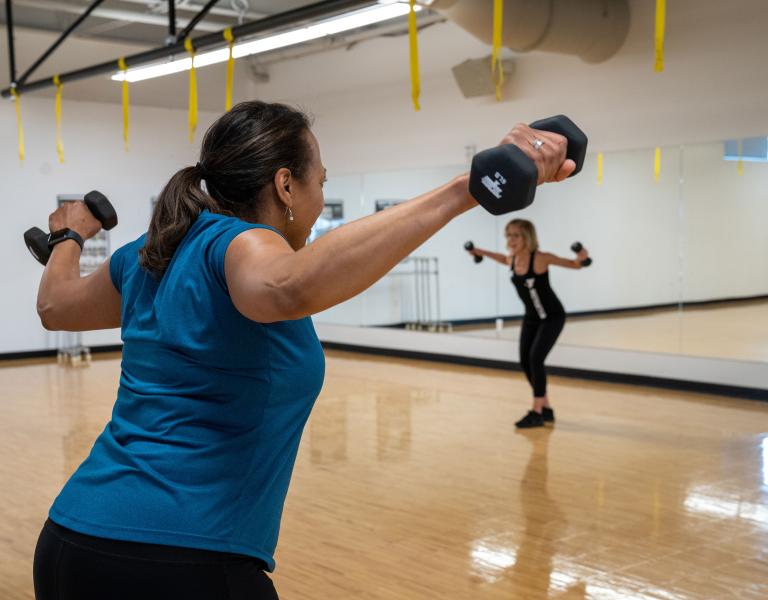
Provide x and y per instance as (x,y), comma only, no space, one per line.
(503,179)
(577,247)
(469,246)
(39,243)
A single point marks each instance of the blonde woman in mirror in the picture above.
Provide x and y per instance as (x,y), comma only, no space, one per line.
(544,316)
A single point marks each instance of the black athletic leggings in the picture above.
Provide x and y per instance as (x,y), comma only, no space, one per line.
(72,566)
(536,340)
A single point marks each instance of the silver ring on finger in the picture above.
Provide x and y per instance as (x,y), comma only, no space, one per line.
(537,144)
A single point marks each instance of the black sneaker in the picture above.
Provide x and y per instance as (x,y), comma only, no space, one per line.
(548,415)
(532,419)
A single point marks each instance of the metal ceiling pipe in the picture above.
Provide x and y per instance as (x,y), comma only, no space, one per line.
(593,30)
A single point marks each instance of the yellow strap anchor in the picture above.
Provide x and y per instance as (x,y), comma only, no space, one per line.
(59,143)
(192,90)
(599,168)
(230,69)
(414,55)
(661,18)
(496,68)
(126,101)
(17,103)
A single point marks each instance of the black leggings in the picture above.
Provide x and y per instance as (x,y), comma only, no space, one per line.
(536,340)
(73,566)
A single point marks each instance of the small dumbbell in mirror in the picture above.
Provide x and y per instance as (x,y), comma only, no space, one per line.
(577,247)
(469,247)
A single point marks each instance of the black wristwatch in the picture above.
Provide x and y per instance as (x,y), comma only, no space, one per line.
(60,235)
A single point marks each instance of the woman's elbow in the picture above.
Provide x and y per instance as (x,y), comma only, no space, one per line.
(47,314)
(273,303)
(295,303)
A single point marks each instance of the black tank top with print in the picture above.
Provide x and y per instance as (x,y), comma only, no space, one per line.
(534,290)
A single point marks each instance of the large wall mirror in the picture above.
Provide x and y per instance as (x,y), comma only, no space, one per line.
(677,235)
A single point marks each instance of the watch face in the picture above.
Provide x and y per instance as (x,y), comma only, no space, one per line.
(58,235)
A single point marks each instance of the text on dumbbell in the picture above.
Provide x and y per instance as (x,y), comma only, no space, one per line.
(494,185)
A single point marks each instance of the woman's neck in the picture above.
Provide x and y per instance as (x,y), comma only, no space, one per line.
(277,217)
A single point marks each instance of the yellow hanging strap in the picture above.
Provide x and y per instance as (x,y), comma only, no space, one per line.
(414,48)
(657,165)
(126,101)
(661,18)
(230,68)
(59,144)
(740,166)
(656,508)
(17,102)
(496,68)
(192,90)
(599,168)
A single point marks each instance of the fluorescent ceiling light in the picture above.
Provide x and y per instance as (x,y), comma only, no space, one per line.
(347,22)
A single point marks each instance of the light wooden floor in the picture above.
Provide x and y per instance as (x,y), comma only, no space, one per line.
(412,484)
(734,330)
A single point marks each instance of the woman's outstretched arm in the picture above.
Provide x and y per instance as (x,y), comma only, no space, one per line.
(268,281)
(568,263)
(504,259)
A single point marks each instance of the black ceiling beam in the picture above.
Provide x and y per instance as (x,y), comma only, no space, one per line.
(11,49)
(58,42)
(195,20)
(318,10)
(171,20)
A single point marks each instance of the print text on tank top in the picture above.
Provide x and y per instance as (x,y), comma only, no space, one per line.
(529,283)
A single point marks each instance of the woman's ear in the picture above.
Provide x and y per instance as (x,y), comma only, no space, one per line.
(283,180)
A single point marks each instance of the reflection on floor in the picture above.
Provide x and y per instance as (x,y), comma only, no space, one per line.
(730,330)
(412,484)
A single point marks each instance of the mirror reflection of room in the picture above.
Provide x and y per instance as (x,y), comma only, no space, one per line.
(685,278)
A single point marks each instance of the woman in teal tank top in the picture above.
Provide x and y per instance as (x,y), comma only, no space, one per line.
(183,491)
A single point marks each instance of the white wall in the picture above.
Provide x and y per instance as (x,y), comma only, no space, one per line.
(726,225)
(95,159)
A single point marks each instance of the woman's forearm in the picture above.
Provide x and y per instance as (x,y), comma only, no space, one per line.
(63,267)
(68,302)
(348,260)
(568,263)
(574,264)
(498,257)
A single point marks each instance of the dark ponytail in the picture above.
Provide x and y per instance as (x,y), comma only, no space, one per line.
(178,206)
(240,155)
